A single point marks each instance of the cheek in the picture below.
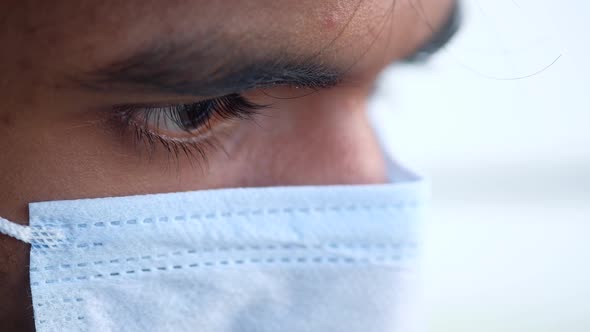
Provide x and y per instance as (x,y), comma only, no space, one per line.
(55,155)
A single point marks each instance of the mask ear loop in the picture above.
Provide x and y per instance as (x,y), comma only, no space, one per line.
(12,229)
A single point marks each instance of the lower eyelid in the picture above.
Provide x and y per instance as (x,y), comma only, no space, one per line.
(159,147)
(180,135)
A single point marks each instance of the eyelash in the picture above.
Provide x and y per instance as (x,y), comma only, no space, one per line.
(191,118)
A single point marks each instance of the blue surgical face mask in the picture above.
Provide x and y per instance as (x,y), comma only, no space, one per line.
(333,258)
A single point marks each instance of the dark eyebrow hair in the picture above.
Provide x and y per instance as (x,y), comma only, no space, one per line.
(177,69)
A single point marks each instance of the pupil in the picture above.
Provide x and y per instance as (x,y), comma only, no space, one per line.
(195,115)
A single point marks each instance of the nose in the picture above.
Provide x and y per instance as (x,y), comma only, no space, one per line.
(324,141)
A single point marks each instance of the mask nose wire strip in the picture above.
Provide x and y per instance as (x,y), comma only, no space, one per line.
(12,229)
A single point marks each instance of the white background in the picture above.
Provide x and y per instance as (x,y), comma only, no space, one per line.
(508,244)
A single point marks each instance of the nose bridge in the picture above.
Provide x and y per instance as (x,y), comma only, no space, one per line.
(333,145)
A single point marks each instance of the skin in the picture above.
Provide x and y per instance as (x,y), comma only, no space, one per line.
(57,142)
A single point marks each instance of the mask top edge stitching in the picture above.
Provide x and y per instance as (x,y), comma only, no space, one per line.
(228,214)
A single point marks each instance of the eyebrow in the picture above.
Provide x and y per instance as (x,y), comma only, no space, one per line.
(178,68)
(181,70)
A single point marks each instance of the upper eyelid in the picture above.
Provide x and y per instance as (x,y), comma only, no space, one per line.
(230,106)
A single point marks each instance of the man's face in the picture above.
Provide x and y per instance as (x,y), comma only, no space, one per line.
(108,98)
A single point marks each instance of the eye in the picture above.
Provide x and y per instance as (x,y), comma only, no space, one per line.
(188,119)
(184,127)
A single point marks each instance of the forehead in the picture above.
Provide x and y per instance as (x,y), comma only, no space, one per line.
(125,24)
